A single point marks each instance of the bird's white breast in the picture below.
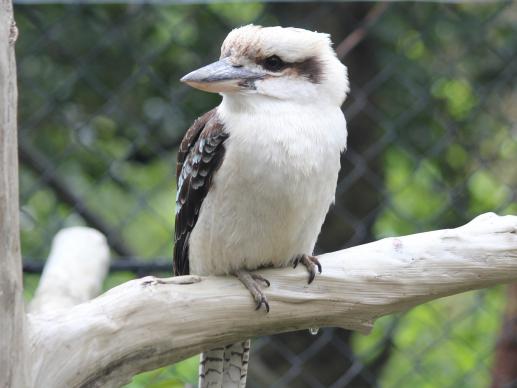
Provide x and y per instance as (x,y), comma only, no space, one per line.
(270,196)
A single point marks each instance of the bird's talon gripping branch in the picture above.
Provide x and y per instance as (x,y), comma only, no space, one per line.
(256,276)
(310,262)
(263,301)
(250,281)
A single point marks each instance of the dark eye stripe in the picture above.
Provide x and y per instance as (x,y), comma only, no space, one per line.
(312,68)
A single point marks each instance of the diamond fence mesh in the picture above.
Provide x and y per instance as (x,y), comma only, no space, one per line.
(433,142)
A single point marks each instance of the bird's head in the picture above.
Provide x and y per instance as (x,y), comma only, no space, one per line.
(274,62)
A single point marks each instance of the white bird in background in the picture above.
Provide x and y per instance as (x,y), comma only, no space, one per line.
(257,174)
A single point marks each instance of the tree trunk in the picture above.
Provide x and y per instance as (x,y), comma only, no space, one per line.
(12,321)
(504,373)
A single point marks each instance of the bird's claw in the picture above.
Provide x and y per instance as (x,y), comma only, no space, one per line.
(262,301)
(310,262)
(250,281)
(258,277)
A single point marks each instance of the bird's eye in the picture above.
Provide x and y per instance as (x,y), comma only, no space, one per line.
(273,63)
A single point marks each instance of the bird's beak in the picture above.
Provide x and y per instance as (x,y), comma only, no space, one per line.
(222,76)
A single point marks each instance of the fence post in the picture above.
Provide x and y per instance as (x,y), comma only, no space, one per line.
(12,317)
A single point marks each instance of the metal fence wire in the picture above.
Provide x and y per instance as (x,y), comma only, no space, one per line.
(432,143)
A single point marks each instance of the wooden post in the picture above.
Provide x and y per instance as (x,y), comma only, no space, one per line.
(504,373)
(12,317)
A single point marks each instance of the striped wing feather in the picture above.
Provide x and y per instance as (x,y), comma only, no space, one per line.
(200,154)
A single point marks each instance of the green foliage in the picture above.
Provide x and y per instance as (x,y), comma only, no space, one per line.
(237,13)
(460,361)
(30,283)
(413,194)
(458,95)
(420,356)
(175,376)
(452,150)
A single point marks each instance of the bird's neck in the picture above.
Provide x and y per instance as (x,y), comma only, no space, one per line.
(282,121)
(257,105)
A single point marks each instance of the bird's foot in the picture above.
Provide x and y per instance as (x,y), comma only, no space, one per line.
(260,278)
(251,282)
(310,262)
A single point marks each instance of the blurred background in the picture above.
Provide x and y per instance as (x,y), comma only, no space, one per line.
(433,142)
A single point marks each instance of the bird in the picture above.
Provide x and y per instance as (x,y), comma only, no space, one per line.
(257,175)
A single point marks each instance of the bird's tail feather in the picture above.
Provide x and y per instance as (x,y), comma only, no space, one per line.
(235,370)
(225,367)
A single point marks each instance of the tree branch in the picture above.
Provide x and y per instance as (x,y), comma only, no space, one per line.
(356,36)
(147,323)
(74,272)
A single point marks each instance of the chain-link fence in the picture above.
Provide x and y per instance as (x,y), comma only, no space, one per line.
(433,142)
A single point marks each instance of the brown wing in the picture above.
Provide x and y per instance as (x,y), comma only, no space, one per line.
(200,154)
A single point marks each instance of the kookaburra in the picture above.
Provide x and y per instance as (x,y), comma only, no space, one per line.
(257,174)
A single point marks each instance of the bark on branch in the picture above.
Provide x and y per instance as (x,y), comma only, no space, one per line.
(147,323)
(12,346)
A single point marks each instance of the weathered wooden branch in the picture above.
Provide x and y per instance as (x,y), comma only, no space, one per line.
(74,272)
(147,323)
(12,347)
